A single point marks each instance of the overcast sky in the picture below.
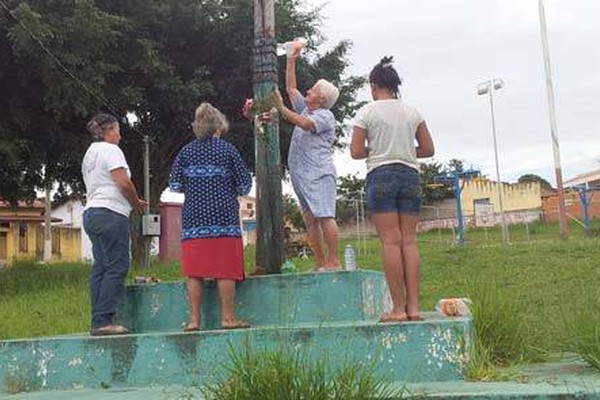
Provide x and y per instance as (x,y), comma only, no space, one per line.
(444,48)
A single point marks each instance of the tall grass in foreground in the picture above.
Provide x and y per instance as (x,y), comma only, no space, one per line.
(500,335)
(286,373)
(581,326)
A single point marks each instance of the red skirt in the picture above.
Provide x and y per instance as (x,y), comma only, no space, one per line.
(217,258)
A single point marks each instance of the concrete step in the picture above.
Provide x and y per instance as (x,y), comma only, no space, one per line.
(262,300)
(554,381)
(431,350)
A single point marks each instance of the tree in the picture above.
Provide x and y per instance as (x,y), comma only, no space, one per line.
(159,59)
(291,211)
(349,197)
(455,165)
(545,185)
(435,188)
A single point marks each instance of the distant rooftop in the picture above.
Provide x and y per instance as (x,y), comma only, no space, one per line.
(581,179)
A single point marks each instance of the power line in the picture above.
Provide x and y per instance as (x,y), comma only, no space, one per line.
(66,70)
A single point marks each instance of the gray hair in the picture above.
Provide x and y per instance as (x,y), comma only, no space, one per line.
(209,121)
(99,124)
(328,91)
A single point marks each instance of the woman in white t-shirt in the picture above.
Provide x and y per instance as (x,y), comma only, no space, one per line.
(110,198)
(393,184)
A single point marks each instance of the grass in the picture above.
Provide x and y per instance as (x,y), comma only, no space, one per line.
(544,287)
(286,373)
(500,335)
(581,326)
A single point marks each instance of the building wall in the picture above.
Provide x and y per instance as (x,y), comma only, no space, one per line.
(518,196)
(573,205)
(170,220)
(14,241)
(71,214)
(66,244)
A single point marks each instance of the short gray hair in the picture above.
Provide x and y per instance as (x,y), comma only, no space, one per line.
(328,91)
(209,121)
(99,124)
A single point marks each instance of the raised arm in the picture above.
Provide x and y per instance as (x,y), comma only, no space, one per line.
(305,123)
(290,73)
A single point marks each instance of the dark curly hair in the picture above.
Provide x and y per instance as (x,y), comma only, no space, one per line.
(384,75)
(99,124)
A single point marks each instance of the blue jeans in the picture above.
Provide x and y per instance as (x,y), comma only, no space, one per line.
(394,188)
(109,234)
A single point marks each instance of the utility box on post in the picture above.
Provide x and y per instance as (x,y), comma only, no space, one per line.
(151,225)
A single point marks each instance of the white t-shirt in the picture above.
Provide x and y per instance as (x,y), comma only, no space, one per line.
(391,126)
(102,192)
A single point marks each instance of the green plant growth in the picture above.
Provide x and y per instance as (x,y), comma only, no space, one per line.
(16,383)
(287,373)
(581,326)
(500,335)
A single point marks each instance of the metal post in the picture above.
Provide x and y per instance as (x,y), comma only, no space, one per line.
(499,187)
(147,197)
(362,219)
(562,212)
(585,202)
(357,209)
(459,213)
(47,225)
(437,213)
(269,216)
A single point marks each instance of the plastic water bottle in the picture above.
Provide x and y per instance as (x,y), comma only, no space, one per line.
(456,307)
(287,48)
(288,267)
(349,258)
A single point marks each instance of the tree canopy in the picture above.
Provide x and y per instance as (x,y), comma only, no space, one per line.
(63,61)
(535,178)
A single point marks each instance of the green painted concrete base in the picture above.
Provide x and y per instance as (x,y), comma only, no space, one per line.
(326,315)
(262,300)
(431,350)
(556,381)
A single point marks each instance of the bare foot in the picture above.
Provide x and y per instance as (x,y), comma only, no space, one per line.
(393,317)
(192,327)
(234,323)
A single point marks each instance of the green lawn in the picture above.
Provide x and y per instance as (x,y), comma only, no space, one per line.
(545,275)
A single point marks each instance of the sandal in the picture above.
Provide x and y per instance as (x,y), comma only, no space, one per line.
(235,324)
(390,318)
(109,330)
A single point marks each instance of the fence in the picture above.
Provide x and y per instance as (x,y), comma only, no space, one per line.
(439,224)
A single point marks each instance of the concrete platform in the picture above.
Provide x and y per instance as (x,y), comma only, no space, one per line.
(263,300)
(432,350)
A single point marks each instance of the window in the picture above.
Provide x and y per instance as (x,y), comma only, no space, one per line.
(56,235)
(22,237)
(249,206)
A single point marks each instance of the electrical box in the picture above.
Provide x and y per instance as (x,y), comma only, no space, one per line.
(151,225)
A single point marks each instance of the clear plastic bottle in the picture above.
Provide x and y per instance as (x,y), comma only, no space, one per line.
(456,307)
(287,48)
(288,268)
(349,258)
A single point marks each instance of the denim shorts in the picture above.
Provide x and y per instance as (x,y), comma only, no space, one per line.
(394,188)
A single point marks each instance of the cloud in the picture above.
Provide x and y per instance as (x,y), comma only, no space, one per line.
(443,48)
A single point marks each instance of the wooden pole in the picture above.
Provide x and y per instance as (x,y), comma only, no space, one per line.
(269,217)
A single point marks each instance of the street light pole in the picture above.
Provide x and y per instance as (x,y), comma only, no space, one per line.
(562,212)
(488,87)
